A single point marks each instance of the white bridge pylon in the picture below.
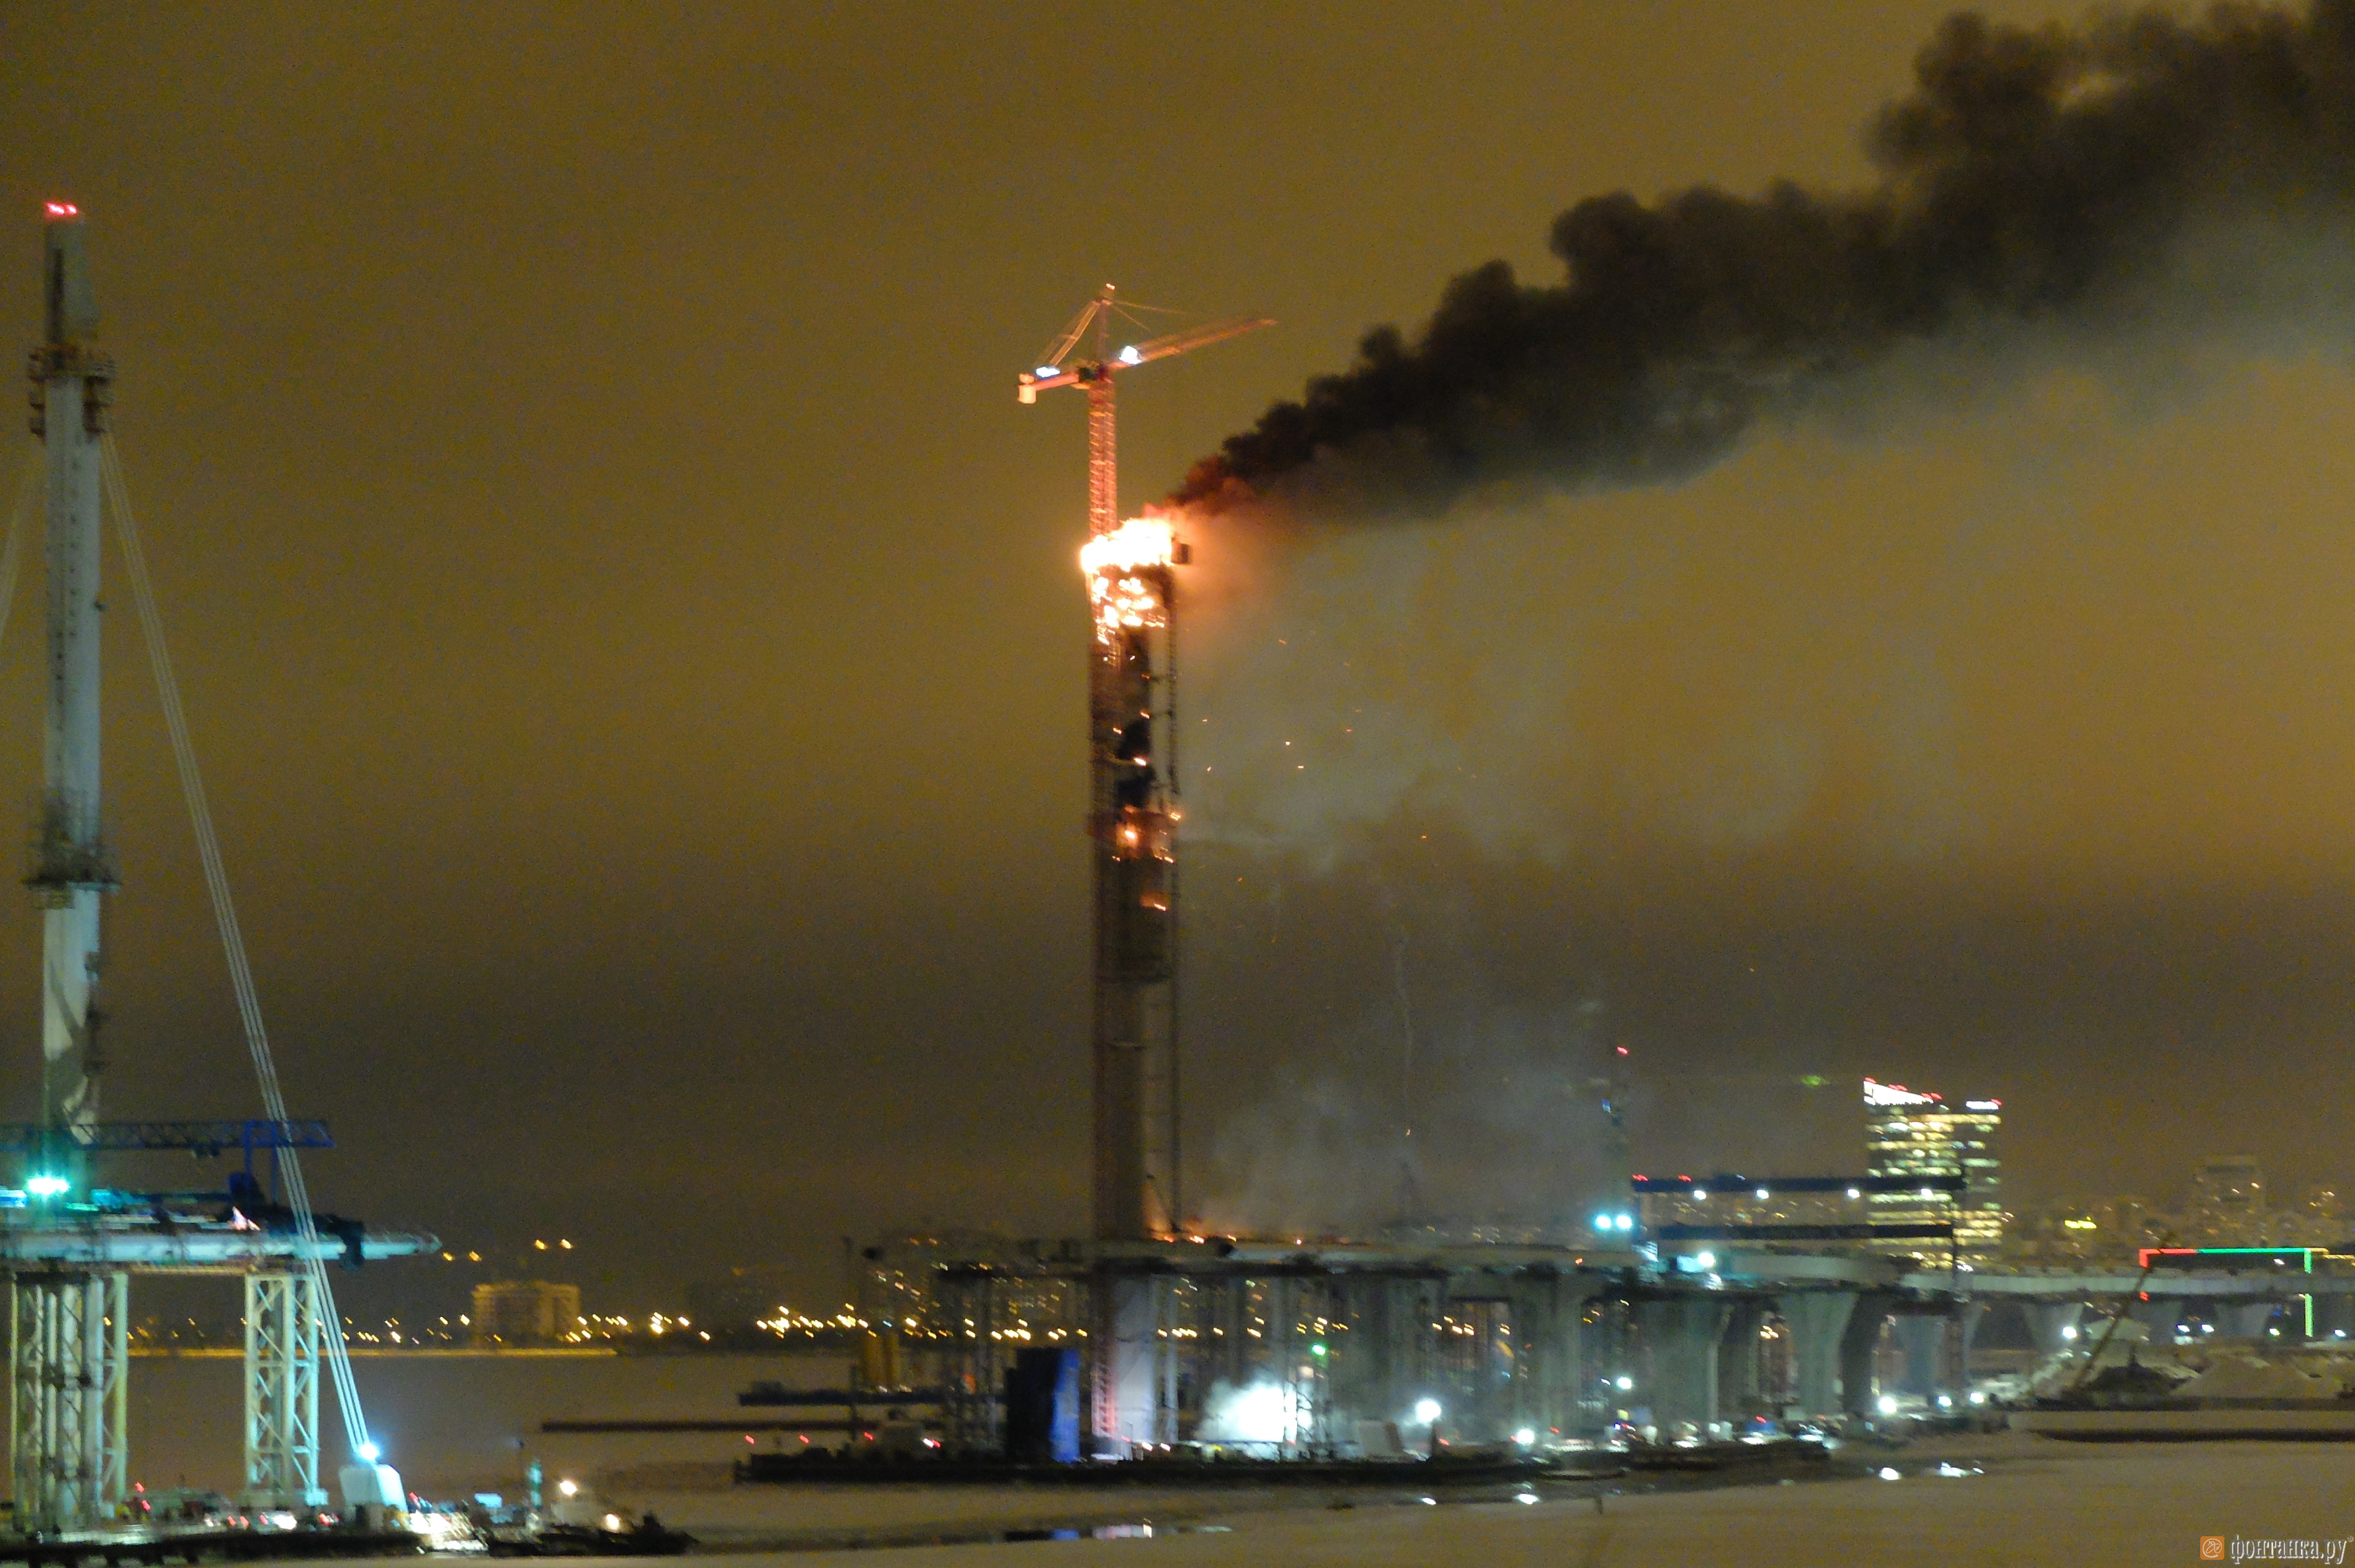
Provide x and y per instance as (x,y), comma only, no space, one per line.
(67,1246)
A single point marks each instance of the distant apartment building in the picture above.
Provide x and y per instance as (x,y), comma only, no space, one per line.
(2108,1232)
(2230,1183)
(1909,1132)
(2226,1205)
(2230,1203)
(2226,1202)
(525,1312)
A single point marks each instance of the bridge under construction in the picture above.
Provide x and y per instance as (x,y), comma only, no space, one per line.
(1301,1348)
(70,1246)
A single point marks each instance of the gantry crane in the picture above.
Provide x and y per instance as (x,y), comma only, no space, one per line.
(1097,374)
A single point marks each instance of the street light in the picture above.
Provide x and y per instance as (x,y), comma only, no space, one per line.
(1427,1412)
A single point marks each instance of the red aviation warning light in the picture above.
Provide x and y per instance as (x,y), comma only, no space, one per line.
(57,209)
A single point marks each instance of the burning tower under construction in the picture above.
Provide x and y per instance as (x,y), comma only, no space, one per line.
(1132,805)
(1152,1334)
(1133,822)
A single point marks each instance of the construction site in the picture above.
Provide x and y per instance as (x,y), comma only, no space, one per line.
(75,1238)
(1150,1339)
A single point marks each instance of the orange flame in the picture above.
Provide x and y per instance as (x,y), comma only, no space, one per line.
(1124,575)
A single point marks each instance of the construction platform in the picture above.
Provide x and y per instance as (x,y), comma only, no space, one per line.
(1180,1471)
(70,1255)
(1303,1348)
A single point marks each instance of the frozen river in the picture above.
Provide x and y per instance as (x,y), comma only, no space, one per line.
(462,1422)
(2036,1503)
(454,1422)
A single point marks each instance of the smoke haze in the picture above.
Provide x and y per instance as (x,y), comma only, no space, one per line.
(635,643)
(1928,739)
(2009,758)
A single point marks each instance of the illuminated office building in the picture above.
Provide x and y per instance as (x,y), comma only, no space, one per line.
(1909,1132)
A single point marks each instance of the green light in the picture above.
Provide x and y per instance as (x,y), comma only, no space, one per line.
(48,1186)
(1316,1350)
(2305,1254)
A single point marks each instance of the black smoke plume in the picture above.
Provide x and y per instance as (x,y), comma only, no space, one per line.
(2044,179)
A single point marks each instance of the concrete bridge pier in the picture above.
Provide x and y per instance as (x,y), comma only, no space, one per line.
(1818,1319)
(1738,1390)
(1549,1352)
(1128,1376)
(2246,1319)
(2334,1315)
(1679,1335)
(1858,1343)
(1922,1339)
(2159,1314)
(1968,1316)
(2048,1322)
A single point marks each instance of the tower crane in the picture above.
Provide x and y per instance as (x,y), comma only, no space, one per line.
(1132,813)
(1096,373)
(1133,819)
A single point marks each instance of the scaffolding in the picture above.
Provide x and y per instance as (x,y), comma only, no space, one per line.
(67,1395)
(284,1332)
(69,1344)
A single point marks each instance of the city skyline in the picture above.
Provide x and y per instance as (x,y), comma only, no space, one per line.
(652,776)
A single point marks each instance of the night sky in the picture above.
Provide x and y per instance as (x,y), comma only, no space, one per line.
(635,639)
